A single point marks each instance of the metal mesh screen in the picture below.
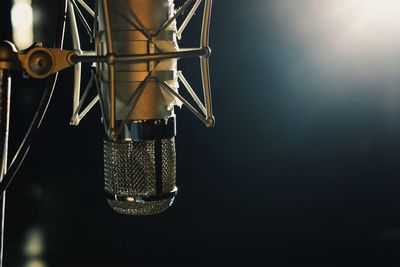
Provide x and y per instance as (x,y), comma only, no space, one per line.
(130,171)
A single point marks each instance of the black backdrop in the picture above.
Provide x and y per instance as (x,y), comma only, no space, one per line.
(289,176)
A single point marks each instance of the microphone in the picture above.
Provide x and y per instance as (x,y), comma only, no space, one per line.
(140,159)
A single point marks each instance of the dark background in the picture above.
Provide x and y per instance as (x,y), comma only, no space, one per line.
(302,168)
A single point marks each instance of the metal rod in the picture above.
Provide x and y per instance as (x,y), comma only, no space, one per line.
(86,7)
(205,30)
(160,56)
(3,221)
(205,74)
(111,68)
(177,14)
(184,101)
(88,59)
(5,87)
(85,94)
(95,18)
(78,67)
(83,20)
(192,93)
(102,107)
(89,107)
(204,62)
(188,19)
(197,52)
(88,53)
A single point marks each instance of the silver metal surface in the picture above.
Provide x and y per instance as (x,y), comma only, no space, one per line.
(5,100)
(133,25)
(188,19)
(141,58)
(205,63)
(111,66)
(77,67)
(86,7)
(185,102)
(141,209)
(89,107)
(130,172)
(191,92)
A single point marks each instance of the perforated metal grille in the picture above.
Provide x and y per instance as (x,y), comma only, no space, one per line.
(130,170)
(168,165)
(148,208)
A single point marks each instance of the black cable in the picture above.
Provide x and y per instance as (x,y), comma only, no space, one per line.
(40,112)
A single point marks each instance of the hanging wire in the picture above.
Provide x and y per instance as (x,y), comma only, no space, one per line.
(40,112)
(5,89)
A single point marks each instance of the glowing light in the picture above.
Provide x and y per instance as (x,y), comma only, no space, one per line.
(376,11)
(22,22)
(21,15)
(35,263)
(345,31)
(34,246)
(371,19)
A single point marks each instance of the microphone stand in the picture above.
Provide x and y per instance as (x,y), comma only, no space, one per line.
(5,94)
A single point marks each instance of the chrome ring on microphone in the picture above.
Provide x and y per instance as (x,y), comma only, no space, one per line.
(143,199)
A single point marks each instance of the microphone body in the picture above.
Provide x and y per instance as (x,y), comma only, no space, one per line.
(140,164)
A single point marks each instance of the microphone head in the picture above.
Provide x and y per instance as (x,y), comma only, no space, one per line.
(140,176)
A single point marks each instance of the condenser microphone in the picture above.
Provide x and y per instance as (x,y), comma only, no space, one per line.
(137,54)
(140,162)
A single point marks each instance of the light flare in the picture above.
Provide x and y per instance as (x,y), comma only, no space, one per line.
(22,23)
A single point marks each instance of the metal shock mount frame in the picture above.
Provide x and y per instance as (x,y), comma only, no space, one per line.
(203,111)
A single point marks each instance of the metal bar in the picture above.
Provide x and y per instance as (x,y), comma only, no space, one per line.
(192,93)
(111,68)
(83,20)
(88,53)
(204,62)
(77,67)
(86,7)
(188,19)
(89,107)
(133,101)
(85,94)
(3,222)
(205,74)
(205,31)
(102,107)
(95,18)
(184,101)
(161,56)
(177,14)
(5,87)
(113,106)
(107,25)
(188,53)
(88,59)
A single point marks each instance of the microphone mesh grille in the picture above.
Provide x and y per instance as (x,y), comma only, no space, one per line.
(130,171)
